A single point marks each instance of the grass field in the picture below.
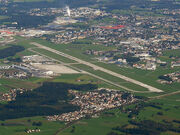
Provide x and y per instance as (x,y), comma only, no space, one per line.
(34,82)
(82,79)
(174,53)
(148,77)
(7,84)
(18,126)
(111,78)
(170,55)
(52,55)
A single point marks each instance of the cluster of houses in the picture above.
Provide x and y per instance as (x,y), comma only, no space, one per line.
(93,102)
(33,131)
(170,78)
(68,37)
(175,63)
(6,35)
(11,95)
(74,13)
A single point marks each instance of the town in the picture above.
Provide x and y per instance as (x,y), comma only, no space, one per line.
(93,102)
(138,41)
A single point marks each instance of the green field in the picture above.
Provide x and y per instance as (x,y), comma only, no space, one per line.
(148,77)
(34,82)
(82,79)
(18,126)
(54,56)
(7,84)
(111,78)
(170,55)
(174,53)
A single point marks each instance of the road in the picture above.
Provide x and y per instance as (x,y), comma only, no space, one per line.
(165,95)
(95,67)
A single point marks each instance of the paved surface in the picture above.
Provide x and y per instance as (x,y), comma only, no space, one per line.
(165,95)
(95,67)
(85,72)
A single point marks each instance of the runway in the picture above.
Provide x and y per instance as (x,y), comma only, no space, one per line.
(95,67)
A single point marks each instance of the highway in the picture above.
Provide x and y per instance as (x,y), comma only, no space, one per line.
(95,67)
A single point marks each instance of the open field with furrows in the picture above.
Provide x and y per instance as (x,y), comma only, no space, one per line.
(148,77)
(172,53)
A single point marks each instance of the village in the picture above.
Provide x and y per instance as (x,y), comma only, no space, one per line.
(93,102)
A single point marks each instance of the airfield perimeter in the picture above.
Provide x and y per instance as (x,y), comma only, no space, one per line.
(95,67)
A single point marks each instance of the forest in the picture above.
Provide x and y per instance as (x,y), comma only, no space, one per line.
(10,51)
(147,127)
